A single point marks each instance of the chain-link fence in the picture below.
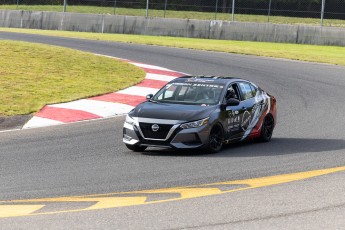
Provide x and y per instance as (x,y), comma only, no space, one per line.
(315,12)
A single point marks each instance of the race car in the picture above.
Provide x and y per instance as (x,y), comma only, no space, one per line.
(203,112)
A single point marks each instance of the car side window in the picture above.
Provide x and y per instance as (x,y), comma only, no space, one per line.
(254,90)
(232,92)
(246,91)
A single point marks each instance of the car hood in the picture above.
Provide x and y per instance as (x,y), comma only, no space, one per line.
(168,111)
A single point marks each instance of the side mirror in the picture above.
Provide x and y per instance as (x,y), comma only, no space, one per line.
(232,102)
(149,96)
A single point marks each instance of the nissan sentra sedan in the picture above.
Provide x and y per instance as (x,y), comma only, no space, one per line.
(201,112)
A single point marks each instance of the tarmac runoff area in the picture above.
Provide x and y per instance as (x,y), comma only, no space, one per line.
(107,105)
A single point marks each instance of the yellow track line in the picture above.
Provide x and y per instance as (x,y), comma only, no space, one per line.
(31,207)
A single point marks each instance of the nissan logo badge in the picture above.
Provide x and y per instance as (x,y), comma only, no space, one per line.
(155,127)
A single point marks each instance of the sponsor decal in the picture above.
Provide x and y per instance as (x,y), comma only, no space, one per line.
(199,80)
(233,120)
(232,113)
(197,84)
(245,120)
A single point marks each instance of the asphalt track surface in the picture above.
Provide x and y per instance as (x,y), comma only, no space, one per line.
(89,157)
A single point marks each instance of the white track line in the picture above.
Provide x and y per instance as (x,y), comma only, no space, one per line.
(36,122)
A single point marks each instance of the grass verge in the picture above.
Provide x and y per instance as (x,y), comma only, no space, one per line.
(32,75)
(312,53)
(177,14)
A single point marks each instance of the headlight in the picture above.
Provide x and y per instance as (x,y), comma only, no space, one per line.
(130,120)
(195,124)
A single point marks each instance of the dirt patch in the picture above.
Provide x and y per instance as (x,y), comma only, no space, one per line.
(13,122)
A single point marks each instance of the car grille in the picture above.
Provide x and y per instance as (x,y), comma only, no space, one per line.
(161,133)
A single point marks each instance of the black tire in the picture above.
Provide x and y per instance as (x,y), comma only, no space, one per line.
(267,129)
(136,148)
(216,139)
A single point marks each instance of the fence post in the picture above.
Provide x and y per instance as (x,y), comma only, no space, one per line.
(215,14)
(147,8)
(165,7)
(114,7)
(322,11)
(269,11)
(17,4)
(64,5)
(233,11)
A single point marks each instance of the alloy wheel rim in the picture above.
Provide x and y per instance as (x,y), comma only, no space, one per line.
(216,138)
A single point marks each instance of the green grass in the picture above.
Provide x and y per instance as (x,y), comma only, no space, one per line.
(33,75)
(178,14)
(313,53)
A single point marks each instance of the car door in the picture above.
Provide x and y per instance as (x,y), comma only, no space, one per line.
(233,115)
(248,103)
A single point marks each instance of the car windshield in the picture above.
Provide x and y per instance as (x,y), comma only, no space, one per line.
(198,93)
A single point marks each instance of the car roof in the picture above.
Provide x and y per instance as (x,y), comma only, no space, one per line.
(208,79)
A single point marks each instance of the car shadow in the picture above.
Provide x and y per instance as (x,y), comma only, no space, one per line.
(277,146)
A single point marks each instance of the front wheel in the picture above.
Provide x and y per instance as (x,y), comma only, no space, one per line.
(267,129)
(215,140)
(136,148)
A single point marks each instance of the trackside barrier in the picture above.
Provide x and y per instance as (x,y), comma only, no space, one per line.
(225,30)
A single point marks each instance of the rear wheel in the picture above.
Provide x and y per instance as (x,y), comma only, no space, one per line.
(136,148)
(267,129)
(216,138)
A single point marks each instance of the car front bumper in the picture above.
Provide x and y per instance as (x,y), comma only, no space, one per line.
(178,139)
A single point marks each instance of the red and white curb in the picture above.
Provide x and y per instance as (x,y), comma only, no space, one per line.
(104,106)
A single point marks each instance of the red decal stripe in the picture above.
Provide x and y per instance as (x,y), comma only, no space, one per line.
(120,98)
(65,115)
